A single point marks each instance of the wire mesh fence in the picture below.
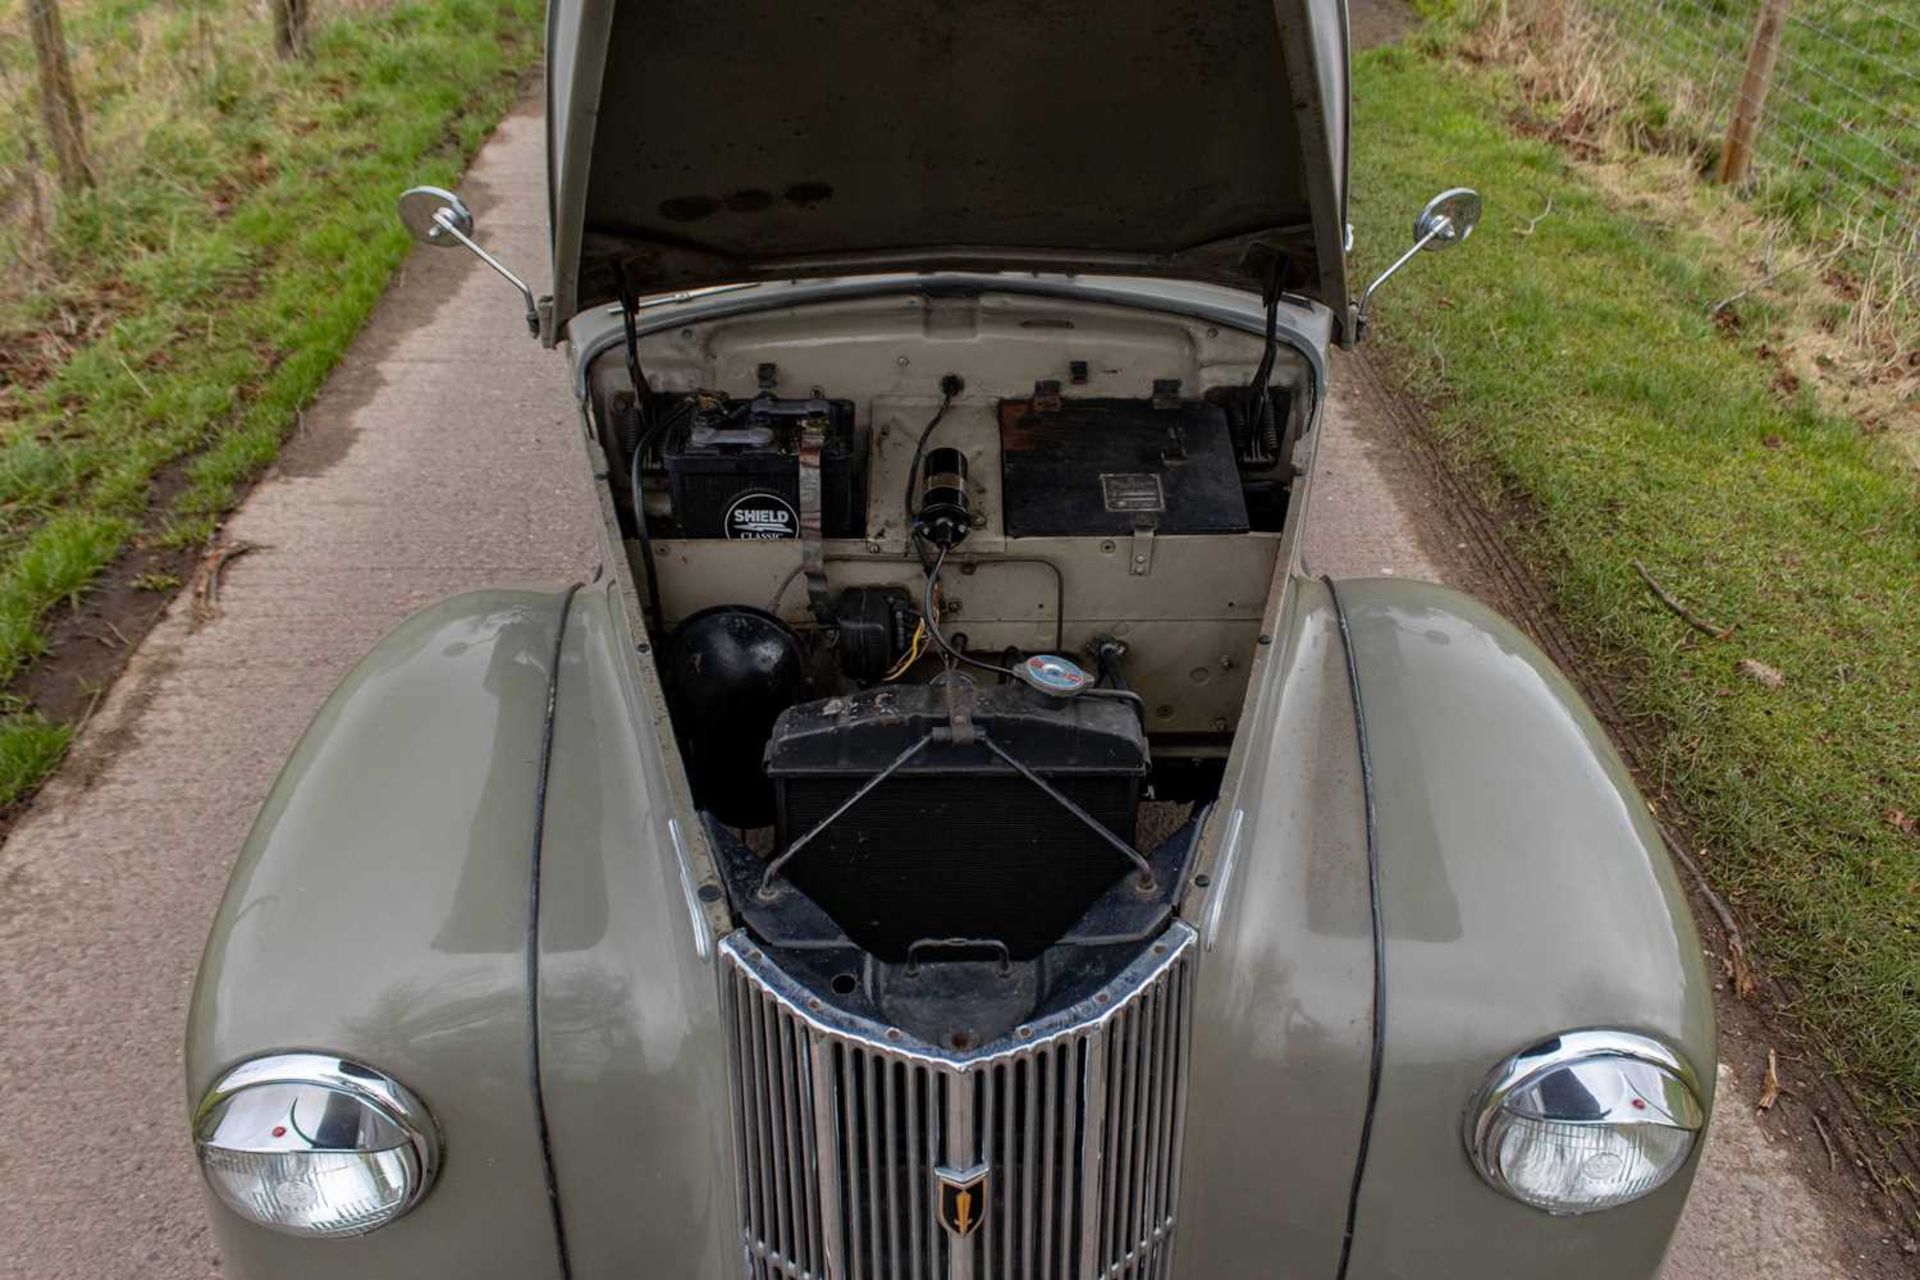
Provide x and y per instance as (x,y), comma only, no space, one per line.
(1837,145)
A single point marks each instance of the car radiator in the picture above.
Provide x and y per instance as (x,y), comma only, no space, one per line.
(844,1132)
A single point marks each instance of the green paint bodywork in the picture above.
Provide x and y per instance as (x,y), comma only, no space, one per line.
(632,1055)
(1525,891)
(1281,1026)
(379,911)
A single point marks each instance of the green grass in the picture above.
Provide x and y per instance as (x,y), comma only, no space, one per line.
(1576,368)
(240,233)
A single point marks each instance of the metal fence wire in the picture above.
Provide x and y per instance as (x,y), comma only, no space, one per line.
(1837,120)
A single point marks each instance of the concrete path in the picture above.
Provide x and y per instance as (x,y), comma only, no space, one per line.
(441,456)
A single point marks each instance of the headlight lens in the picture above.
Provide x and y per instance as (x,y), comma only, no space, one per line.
(1585,1121)
(312,1145)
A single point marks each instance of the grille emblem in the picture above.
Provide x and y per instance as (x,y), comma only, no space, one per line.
(962,1201)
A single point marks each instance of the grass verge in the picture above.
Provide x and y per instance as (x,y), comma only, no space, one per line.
(1570,361)
(177,317)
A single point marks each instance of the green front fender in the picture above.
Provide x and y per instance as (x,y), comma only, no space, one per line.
(379,911)
(1524,891)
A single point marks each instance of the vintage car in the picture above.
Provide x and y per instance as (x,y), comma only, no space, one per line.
(951,836)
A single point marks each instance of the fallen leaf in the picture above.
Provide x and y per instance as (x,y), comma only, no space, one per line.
(1754,669)
(1770,1089)
(1903,822)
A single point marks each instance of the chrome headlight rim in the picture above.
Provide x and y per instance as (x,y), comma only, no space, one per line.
(386,1096)
(1517,1073)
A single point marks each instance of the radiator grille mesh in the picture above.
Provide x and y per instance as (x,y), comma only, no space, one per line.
(838,1132)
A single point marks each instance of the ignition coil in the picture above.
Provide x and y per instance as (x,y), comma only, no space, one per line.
(946,513)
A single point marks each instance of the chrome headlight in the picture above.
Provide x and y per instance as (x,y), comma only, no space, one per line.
(313,1145)
(1584,1121)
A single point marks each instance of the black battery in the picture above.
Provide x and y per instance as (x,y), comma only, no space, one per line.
(1098,467)
(734,469)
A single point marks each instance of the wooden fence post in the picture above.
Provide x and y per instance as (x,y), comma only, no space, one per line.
(1736,157)
(59,102)
(289,27)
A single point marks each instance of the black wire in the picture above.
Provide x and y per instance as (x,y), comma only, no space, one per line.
(919,451)
(932,620)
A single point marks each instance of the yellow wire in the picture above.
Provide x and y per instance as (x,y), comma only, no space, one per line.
(915,647)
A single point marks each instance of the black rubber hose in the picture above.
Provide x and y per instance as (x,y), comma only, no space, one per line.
(636,479)
(1264,431)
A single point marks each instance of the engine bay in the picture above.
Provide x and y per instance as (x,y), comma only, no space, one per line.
(955,601)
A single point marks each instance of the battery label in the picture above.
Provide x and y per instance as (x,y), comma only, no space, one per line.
(762,516)
(1133,491)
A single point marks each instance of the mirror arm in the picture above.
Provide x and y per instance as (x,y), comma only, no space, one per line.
(1441,226)
(444,224)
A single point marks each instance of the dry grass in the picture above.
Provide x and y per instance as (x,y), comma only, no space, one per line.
(1834,306)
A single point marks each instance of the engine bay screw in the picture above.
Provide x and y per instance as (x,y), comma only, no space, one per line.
(1164,711)
(1266,639)
(1219,724)
(1212,332)
(814,1004)
(709,893)
(903,362)
(1202,880)
(643,647)
(1102,998)
(1106,548)
(893,1033)
(1025,1033)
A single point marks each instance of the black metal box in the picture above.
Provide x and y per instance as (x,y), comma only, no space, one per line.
(1100,467)
(735,473)
(956,843)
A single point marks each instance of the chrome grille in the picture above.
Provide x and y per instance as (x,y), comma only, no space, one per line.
(839,1125)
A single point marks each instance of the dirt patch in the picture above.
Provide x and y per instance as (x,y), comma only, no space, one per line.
(90,643)
(1372,23)
(1866,1176)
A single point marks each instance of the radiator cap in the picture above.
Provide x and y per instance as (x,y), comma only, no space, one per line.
(1053,675)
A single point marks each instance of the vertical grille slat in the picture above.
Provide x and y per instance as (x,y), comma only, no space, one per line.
(838,1128)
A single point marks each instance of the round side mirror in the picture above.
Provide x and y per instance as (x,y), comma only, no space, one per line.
(429,213)
(1448,219)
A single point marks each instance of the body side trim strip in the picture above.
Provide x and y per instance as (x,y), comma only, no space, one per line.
(533,935)
(1378,1051)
